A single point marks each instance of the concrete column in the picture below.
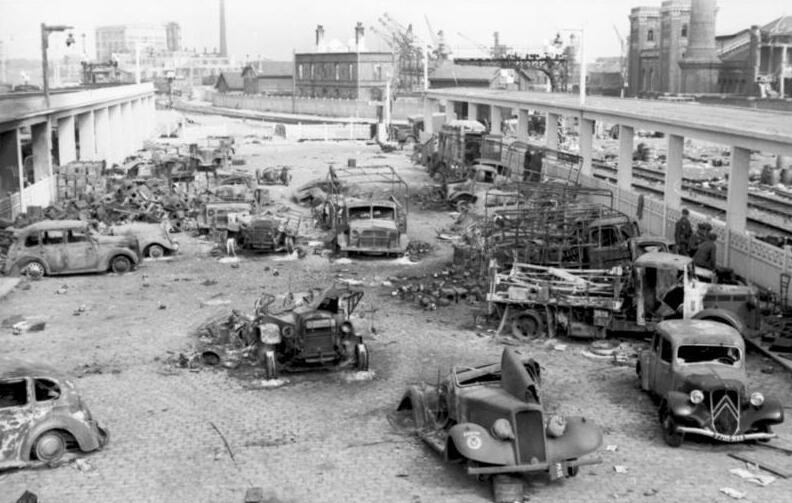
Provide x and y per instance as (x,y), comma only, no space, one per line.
(135,124)
(102,134)
(85,126)
(115,154)
(673,175)
(127,142)
(41,134)
(737,197)
(496,119)
(11,176)
(551,131)
(624,172)
(472,112)
(522,125)
(428,112)
(449,111)
(586,136)
(67,148)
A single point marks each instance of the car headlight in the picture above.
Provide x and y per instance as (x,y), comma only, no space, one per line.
(355,235)
(757,399)
(556,426)
(696,397)
(502,429)
(346,328)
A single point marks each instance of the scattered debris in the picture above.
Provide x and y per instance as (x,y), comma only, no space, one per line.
(27,497)
(620,469)
(753,477)
(733,493)
(784,474)
(32,324)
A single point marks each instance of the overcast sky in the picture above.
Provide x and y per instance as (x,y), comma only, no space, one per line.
(274,28)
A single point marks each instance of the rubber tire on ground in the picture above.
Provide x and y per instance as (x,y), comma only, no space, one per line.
(50,446)
(670,436)
(572,471)
(463,205)
(361,357)
(33,270)
(155,251)
(120,264)
(270,365)
(507,488)
(532,330)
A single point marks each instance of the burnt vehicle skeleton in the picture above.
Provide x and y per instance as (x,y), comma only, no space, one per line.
(270,232)
(696,369)
(42,416)
(491,418)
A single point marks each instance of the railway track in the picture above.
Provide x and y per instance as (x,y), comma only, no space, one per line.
(777,205)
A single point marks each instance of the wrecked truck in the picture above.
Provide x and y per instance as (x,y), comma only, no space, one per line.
(491,419)
(42,416)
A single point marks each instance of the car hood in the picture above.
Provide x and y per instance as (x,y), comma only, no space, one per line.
(707,378)
(372,224)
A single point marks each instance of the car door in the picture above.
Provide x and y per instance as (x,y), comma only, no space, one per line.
(663,372)
(54,250)
(81,250)
(16,418)
(649,363)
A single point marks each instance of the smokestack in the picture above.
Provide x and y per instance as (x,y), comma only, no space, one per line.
(223,45)
(360,33)
(319,35)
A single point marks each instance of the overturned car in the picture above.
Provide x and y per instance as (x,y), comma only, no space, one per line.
(492,419)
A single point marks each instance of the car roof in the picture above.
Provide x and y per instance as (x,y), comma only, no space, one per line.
(651,239)
(53,225)
(15,367)
(663,260)
(685,332)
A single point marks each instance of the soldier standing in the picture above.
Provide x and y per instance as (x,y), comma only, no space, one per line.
(682,233)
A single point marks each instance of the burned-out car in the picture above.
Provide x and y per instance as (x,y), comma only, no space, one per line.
(314,192)
(491,418)
(153,239)
(222,215)
(270,233)
(53,247)
(696,368)
(42,416)
(317,334)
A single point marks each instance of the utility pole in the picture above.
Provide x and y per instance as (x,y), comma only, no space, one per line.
(45,31)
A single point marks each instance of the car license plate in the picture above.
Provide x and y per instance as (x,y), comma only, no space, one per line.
(728,438)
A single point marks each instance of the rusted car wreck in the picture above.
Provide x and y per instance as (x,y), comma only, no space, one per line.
(42,416)
(492,419)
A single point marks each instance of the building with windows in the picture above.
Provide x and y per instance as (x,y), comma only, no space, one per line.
(347,71)
(125,38)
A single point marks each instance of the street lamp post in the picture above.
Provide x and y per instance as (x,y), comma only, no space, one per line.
(45,31)
(582,82)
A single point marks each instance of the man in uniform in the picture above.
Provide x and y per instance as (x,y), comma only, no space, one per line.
(682,233)
(706,252)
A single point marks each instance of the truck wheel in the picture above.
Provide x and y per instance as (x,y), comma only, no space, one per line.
(670,434)
(361,357)
(507,489)
(527,325)
(270,365)
(120,264)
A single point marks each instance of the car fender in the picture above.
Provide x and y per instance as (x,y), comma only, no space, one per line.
(463,195)
(721,316)
(679,404)
(404,241)
(342,240)
(80,430)
(580,437)
(643,375)
(771,412)
(24,259)
(474,442)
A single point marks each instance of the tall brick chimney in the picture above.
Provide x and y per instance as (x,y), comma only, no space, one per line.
(700,64)
(360,34)
(319,35)
(223,45)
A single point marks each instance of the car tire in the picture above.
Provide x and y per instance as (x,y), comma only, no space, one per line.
(670,434)
(507,488)
(270,365)
(572,471)
(361,357)
(33,270)
(50,446)
(120,264)
(155,251)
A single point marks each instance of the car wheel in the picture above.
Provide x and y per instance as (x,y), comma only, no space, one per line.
(33,270)
(270,365)
(671,436)
(155,251)
(120,264)
(507,489)
(527,325)
(50,447)
(572,471)
(463,205)
(361,357)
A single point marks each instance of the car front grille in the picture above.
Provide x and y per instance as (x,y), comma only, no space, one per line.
(316,344)
(374,239)
(530,436)
(725,407)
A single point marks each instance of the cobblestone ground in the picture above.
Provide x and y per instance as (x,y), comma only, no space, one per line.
(322,437)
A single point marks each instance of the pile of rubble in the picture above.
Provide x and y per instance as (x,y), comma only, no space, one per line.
(430,291)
